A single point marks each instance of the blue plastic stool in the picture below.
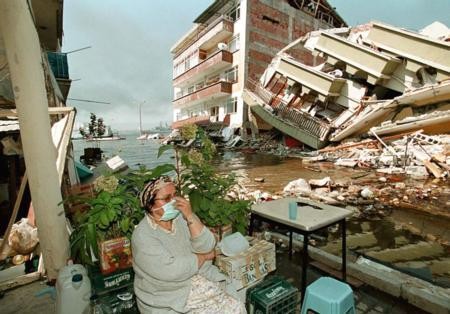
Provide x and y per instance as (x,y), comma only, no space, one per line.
(328,296)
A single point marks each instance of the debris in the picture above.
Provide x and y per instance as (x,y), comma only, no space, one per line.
(434,169)
(367,193)
(299,186)
(321,182)
(346,162)
(259,179)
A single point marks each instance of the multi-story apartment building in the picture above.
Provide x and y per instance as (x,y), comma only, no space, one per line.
(232,42)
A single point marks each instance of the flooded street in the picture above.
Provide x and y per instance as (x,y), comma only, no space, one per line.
(410,240)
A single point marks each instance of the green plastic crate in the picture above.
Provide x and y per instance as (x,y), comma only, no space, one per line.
(113,302)
(102,284)
(273,296)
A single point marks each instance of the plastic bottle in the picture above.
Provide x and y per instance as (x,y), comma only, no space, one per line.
(73,290)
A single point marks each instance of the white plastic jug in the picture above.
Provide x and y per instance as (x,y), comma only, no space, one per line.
(73,290)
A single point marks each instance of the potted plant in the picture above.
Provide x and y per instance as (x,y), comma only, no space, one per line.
(112,214)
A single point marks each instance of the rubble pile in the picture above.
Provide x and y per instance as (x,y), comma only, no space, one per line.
(416,155)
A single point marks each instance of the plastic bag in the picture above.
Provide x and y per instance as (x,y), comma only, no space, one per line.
(23,237)
(11,147)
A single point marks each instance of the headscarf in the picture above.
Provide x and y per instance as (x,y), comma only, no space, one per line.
(149,191)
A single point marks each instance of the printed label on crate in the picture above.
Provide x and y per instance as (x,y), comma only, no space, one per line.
(249,266)
(117,281)
(115,254)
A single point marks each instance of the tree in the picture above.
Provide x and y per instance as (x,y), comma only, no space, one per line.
(100,127)
(93,125)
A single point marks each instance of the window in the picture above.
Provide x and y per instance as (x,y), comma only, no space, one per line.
(230,75)
(214,111)
(235,12)
(234,44)
(231,105)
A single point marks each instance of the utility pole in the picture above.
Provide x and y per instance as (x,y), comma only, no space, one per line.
(24,55)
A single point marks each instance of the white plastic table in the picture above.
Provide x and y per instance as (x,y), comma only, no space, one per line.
(311,216)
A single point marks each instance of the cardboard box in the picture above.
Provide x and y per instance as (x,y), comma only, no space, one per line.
(249,266)
(115,254)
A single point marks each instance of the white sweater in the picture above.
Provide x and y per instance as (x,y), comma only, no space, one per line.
(164,263)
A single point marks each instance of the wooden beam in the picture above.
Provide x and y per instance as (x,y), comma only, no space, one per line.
(13,217)
(51,110)
(19,281)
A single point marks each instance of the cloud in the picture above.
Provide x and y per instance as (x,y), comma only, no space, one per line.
(129,61)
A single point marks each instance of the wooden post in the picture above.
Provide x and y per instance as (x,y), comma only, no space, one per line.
(23,52)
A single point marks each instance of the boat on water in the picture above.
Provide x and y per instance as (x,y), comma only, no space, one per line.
(158,131)
(103,138)
(83,133)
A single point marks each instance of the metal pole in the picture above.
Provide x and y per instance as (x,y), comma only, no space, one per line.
(24,55)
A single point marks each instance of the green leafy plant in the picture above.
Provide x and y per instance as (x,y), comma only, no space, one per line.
(112,213)
(207,189)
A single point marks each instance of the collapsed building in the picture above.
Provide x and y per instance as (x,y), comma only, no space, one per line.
(371,79)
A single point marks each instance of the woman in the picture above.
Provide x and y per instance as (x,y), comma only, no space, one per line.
(172,258)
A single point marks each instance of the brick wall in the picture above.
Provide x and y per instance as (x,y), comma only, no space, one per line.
(271,26)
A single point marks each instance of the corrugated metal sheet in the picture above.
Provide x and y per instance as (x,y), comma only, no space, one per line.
(9,125)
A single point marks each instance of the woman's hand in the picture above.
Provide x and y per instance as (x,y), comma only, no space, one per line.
(202,258)
(184,206)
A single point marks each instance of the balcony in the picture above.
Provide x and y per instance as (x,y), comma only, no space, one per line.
(311,79)
(215,62)
(60,68)
(357,57)
(59,65)
(418,49)
(215,90)
(295,123)
(218,31)
(199,120)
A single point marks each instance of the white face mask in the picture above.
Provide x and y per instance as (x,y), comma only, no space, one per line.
(170,212)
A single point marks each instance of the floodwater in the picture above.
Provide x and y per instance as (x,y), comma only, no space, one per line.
(395,239)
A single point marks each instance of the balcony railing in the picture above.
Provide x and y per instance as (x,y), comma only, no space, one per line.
(216,61)
(222,24)
(217,89)
(293,116)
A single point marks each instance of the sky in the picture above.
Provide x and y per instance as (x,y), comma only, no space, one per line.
(129,62)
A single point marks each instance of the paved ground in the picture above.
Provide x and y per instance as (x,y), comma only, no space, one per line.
(367,299)
(25,299)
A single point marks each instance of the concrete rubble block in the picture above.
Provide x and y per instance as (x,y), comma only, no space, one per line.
(346,162)
(417,171)
(392,170)
(434,169)
(321,182)
(388,160)
(367,193)
(430,298)
(300,186)
(408,252)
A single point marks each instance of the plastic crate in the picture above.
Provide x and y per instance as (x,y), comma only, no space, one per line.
(273,296)
(102,284)
(113,302)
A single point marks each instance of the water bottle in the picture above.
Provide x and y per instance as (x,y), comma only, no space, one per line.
(73,290)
